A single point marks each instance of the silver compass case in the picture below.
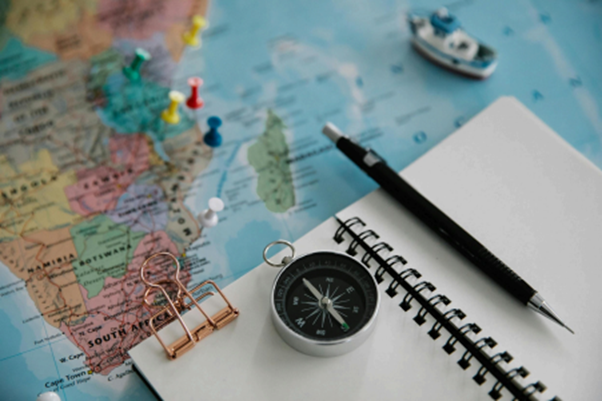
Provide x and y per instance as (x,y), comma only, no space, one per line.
(326,348)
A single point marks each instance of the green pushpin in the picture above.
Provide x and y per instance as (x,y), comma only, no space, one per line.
(133,71)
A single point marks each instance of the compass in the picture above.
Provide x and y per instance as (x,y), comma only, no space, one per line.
(324,303)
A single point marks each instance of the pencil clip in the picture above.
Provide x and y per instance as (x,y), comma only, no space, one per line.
(177,304)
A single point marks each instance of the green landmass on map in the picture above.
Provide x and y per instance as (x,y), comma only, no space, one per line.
(137,106)
(268,156)
(104,249)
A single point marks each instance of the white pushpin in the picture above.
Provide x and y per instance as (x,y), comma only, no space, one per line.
(208,217)
(48,396)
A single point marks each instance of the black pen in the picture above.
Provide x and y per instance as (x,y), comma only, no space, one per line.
(445,227)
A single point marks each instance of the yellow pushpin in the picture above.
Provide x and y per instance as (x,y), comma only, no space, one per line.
(170,115)
(190,37)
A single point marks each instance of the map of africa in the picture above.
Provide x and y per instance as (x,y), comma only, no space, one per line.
(92,181)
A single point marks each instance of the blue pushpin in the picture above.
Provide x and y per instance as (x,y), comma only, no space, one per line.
(213,138)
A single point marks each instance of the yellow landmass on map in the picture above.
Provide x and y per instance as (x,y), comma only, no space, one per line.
(67,28)
(43,261)
(32,197)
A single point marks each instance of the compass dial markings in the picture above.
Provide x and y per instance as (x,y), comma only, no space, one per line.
(334,292)
(313,313)
(346,294)
(307,295)
(316,319)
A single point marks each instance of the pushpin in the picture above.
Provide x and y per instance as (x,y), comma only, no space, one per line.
(48,396)
(133,71)
(208,217)
(213,138)
(195,101)
(190,37)
(170,115)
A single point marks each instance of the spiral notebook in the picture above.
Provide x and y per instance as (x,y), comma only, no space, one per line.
(444,331)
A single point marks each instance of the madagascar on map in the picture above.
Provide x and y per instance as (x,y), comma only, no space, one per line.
(93,181)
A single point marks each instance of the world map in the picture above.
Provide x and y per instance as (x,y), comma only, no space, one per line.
(92,181)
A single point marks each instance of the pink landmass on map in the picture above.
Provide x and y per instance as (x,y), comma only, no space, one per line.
(142,208)
(126,149)
(116,320)
(98,189)
(139,19)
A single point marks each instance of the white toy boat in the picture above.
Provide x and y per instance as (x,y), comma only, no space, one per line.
(440,39)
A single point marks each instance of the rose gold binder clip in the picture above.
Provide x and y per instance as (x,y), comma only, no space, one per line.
(178,304)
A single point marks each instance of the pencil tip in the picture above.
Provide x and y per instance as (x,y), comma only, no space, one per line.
(540,305)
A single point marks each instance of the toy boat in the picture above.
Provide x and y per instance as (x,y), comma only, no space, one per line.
(440,39)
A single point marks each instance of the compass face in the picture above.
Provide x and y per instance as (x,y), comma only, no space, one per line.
(325,296)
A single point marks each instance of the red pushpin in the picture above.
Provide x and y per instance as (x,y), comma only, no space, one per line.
(195,101)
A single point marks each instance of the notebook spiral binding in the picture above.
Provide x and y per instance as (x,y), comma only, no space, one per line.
(434,305)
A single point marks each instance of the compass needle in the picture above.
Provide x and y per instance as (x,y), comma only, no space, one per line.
(330,308)
(330,321)
(312,289)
